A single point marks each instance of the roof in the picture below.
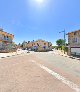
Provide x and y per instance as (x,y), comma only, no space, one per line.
(5,32)
(40,40)
(73,31)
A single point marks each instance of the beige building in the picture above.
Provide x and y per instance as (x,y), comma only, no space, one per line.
(74,42)
(40,44)
(5,39)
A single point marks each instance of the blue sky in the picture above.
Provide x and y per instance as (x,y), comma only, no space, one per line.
(31,20)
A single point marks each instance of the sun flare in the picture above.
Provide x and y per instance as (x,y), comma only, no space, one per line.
(40,1)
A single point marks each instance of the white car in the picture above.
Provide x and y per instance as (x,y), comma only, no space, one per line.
(19,51)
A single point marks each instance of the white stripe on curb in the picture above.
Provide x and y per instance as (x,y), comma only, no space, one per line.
(14,56)
(59,77)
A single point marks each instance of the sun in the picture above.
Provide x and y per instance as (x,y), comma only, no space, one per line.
(40,1)
(38,4)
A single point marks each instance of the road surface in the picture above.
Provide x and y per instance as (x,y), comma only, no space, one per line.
(39,72)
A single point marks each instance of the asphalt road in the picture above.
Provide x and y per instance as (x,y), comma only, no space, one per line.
(39,72)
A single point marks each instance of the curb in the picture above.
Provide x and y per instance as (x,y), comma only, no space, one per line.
(3,57)
(10,56)
(70,57)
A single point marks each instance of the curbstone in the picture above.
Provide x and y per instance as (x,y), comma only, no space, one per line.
(3,57)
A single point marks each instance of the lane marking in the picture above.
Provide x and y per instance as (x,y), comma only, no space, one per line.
(59,77)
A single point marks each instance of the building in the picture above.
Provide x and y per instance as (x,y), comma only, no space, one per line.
(40,45)
(6,39)
(74,43)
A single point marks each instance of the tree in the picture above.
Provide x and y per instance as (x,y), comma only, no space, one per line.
(28,41)
(24,45)
(19,44)
(60,42)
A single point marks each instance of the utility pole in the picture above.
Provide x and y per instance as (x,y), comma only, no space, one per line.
(64,39)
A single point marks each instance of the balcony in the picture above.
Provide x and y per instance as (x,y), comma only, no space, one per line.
(5,39)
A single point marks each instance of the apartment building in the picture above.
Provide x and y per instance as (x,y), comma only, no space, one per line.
(74,42)
(40,45)
(5,39)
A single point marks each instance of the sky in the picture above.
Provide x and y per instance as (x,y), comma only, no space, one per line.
(39,19)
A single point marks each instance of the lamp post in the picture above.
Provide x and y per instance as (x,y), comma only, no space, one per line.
(64,39)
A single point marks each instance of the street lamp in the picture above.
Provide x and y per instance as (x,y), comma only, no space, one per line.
(64,39)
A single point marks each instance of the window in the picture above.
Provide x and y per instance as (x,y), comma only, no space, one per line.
(7,36)
(37,44)
(44,43)
(75,39)
(4,37)
(75,33)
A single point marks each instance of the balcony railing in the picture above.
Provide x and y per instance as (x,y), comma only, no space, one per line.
(6,39)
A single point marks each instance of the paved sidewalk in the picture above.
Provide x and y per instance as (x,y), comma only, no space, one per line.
(7,54)
(4,55)
(65,55)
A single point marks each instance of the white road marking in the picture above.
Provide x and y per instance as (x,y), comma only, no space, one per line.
(59,77)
